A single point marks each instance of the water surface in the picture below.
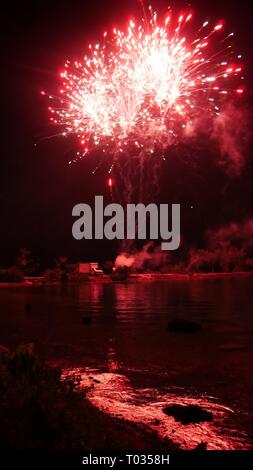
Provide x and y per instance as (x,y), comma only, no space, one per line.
(116,336)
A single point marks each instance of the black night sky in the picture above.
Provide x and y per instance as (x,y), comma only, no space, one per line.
(37,186)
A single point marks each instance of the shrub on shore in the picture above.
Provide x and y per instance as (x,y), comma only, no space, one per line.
(224,258)
(41,410)
(11,275)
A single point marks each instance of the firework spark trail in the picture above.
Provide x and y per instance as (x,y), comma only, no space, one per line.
(138,91)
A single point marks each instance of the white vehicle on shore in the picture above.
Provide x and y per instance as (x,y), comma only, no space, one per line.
(92,269)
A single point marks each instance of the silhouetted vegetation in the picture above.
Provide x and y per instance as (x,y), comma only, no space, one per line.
(11,275)
(25,263)
(220,257)
(223,258)
(41,410)
(120,274)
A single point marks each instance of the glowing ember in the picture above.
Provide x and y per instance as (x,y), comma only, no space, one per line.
(142,88)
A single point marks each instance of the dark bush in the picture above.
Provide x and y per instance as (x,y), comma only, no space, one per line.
(11,275)
(41,410)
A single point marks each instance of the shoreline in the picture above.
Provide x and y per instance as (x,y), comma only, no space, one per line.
(138,277)
(188,276)
(59,412)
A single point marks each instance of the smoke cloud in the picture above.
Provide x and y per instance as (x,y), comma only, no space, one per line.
(240,234)
(230,130)
(150,257)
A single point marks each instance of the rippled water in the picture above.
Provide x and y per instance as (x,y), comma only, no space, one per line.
(116,336)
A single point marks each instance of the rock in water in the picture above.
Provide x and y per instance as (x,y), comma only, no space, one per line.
(187,414)
(184,326)
(86,320)
(233,347)
(201,446)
